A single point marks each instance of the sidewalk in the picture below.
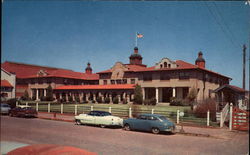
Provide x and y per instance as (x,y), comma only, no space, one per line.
(221,133)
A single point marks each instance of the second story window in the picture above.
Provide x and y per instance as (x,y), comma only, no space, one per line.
(112,81)
(118,81)
(164,76)
(124,81)
(184,75)
(147,77)
(132,81)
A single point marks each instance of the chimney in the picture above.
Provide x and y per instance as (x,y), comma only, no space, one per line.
(88,69)
(200,62)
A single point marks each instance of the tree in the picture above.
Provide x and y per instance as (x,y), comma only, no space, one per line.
(25,96)
(49,96)
(138,95)
(191,97)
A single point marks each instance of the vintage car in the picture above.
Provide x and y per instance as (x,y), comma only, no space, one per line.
(149,122)
(100,118)
(23,111)
(5,108)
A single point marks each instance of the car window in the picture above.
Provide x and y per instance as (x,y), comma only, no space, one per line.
(142,117)
(152,118)
(105,114)
(163,118)
(5,105)
(92,113)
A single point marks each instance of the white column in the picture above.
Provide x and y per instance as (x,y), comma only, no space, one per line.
(208,118)
(157,94)
(60,95)
(67,97)
(81,96)
(128,98)
(174,92)
(119,98)
(73,96)
(94,97)
(61,108)
(44,92)
(231,116)
(143,93)
(110,98)
(37,92)
(178,117)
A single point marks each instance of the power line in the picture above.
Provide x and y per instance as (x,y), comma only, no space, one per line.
(222,28)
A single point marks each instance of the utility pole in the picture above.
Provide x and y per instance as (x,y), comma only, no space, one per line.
(244,67)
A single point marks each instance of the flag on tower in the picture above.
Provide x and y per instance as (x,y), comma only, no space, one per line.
(139,35)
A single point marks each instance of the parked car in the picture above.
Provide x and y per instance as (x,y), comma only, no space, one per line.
(149,122)
(23,111)
(5,108)
(100,118)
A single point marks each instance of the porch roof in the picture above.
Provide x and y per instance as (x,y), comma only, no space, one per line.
(96,87)
(233,88)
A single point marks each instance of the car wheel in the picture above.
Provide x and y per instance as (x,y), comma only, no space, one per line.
(78,122)
(127,127)
(102,126)
(155,130)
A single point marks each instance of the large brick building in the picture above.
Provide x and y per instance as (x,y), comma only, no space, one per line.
(166,79)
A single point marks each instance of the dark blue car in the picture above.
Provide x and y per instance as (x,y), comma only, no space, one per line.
(149,122)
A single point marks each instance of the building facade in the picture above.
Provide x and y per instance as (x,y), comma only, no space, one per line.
(165,80)
(8,85)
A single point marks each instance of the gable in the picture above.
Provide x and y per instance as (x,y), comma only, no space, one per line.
(165,63)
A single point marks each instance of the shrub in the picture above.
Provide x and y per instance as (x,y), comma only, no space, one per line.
(93,101)
(192,95)
(70,98)
(25,96)
(115,100)
(42,98)
(146,102)
(175,101)
(124,101)
(107,100)
(99,99)
(135,110)
(49,96)
(151,101)
(138,98)
(77,99)
(202,108)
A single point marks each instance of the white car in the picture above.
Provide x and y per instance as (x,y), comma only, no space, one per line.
(5,108)
(101,118)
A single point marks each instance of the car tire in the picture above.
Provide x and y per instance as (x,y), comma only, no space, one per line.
(155,130)
(78,122)
(127,127)
(102,126)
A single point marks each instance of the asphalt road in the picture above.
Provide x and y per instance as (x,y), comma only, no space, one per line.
(109,141)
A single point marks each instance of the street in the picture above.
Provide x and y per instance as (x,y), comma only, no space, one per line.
(116,141)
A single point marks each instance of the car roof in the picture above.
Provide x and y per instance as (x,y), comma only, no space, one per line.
(99,111)
(156,115)
(23,106)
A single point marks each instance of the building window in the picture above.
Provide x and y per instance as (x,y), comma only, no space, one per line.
(185,92)
(147,77)
(169,65)
(112,81)
(132,81)
(165,64)
(164,76)
(124,81)
(105,82)
(161,65)
(118,81)
(183,75)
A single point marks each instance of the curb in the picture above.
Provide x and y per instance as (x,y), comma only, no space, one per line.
(56,119)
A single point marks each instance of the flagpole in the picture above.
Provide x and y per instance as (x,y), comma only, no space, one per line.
(135,39)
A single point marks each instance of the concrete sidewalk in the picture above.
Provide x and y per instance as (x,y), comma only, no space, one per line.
(222,133)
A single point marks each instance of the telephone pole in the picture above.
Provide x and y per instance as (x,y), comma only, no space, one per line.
(244,67)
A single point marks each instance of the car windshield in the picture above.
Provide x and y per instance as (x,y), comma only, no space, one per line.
(163,118)
(27,108)
(105,114)
(5,105)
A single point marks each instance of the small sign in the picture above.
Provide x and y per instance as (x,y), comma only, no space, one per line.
(181,114)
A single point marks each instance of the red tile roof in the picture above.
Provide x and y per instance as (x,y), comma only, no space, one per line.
(232,87)
(98,87)
(181,65)
(5,83)
(30,71)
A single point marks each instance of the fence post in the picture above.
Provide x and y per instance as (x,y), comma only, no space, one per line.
(231,116)
(26,104)
(37,106)
(177,118)
(91,108)
(75,109)
(208,116)
(221,119)
(48,107)
(61,108)
(152,111)
(110,110)
(16,103)
(130,113)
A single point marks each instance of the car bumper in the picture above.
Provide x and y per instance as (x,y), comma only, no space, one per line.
(170,129)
